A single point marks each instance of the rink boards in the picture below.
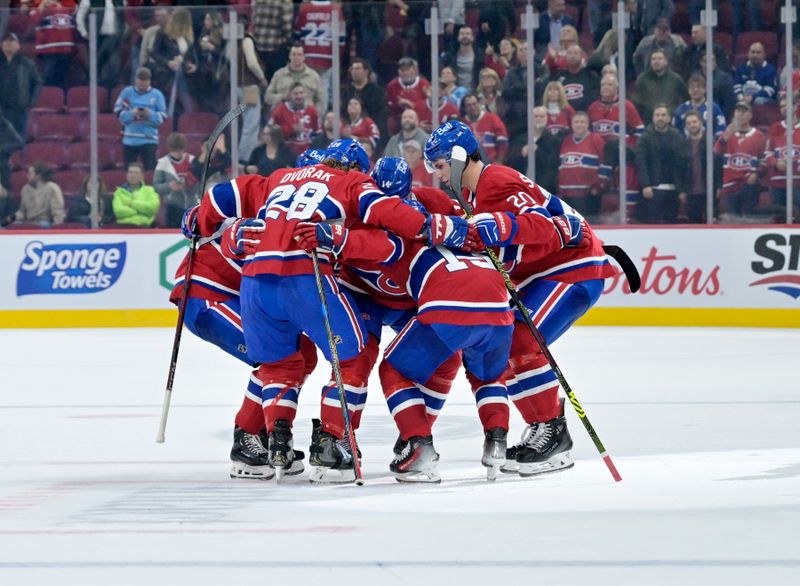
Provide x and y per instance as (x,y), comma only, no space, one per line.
(691,276)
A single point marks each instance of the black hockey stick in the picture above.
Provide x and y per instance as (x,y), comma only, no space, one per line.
(625,262)
(337,371)
(458,161)
(231,115)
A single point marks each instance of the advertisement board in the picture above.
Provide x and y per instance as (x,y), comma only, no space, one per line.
(746,276)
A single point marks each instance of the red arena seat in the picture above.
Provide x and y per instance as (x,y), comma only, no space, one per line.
(71,181)
(50,100)
(58,127)
(78,99)
(197,123)
(766,38)
(52,154)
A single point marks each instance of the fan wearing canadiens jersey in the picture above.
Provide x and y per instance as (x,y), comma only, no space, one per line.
(558,266)
(279,292)
(213,313)
(461,306)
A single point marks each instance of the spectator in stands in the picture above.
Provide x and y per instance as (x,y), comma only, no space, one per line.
(404,91)
(650,12)
(776,163)
(791,69)
(495,20)
(722,85)
(359,126)
(160,19)
(601,13)
(607,53)
(698,48)
(55,40)
(324,138)
(464,60)
(488,129)
(80,208)
(412,153)
(696,183)
(489,91)
(272,29)
(296,72)
(174,181)
(515,90)
(659,84)
(424,109)
(556,57)
(409,131)
(604,114)
(371,94)
(21,84)
(218,166)
(298,119)
(582,173)
(673,46)
(251,80)
(661,162)
(110,28)
(448,88)
(504,58)
(134,202)
(753,14)
(312,18)
(546,152)
(41,200)
(559,111)
(271,154)
(10,141)
(173,59)
(211,82)
(6,217)
(551,23)
(755,81)
(581,85)
(141,110)
(697,102)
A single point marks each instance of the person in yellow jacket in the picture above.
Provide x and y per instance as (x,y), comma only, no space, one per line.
(135,203)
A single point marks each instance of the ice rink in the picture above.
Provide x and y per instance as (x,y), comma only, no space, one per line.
(702,424)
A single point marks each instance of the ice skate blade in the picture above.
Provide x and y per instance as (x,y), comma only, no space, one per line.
(323,475)
(279,472)
(558,462)
(510,467)
(431,477)
(295,468)
(491,473)
(239,470)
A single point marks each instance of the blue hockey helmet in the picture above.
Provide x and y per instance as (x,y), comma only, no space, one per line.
(346,151)
(393,176)
(310,157)
(441,142)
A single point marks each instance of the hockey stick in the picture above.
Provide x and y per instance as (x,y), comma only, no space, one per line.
(337,372)
(232,114)
(458,161)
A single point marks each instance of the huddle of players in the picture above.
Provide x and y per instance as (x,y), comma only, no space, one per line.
(398,257)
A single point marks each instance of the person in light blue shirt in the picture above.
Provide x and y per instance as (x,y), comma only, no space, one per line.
(141,109)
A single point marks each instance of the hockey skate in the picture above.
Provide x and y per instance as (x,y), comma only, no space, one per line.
(282,455)
(545,447)
(417,462)
(330,457)
(494,451)
(249,459)
(399,445)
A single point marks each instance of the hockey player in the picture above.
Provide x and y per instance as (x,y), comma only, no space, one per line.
(213,313)
(558,266)
(279,290)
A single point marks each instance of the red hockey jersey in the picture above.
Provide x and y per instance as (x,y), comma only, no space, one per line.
(313,29)
(214,277)
(741,156)
(777,151)
(560,123)
(287,196)
(536,251)
(491,133)
(55,30)
(363,128)
(604,118)
(447,111)
(582,168)
(288,118)
(413,92)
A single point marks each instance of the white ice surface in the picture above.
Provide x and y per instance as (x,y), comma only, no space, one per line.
(702,424)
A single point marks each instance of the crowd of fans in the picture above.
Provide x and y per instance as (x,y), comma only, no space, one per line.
(163,76)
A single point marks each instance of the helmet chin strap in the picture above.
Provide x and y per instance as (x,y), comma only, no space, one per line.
(458,161)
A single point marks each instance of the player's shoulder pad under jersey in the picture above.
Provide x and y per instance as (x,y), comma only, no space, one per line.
(437,201)
(498,182)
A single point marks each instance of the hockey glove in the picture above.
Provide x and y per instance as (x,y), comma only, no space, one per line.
(189,222)
(495,229)
(313,235)
(570,229)
(450,231)
(241,238)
